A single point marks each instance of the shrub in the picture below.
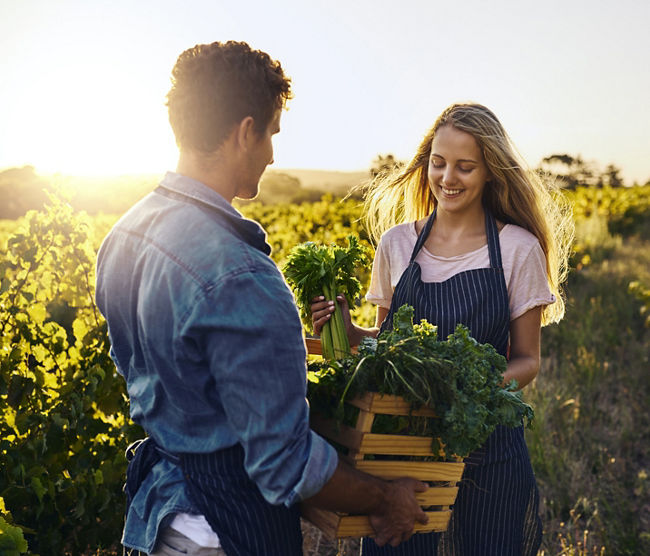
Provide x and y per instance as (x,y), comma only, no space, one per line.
(64,424)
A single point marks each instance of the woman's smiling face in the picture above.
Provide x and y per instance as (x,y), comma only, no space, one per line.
(457,171)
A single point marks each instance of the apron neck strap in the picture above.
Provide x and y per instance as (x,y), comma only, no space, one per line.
(424,234)
(494,249)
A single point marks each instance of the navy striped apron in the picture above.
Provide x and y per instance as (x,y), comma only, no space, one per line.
(234,507)
(496,510)
(220,488)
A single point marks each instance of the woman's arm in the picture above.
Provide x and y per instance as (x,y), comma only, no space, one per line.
(382,313)
(322,310)
(525,332)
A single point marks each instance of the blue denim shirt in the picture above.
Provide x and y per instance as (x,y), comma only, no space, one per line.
(207,336)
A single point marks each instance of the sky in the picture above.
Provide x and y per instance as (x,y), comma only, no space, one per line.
(83,82)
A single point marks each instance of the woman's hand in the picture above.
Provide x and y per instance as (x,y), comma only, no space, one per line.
(323,309)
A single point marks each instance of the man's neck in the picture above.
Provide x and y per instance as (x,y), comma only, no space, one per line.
(211,170)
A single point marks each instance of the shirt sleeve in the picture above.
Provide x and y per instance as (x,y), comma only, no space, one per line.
(252,335)
(528,286)
(380,291)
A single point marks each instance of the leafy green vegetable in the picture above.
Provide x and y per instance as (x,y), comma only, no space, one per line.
(459,379)
(312,270)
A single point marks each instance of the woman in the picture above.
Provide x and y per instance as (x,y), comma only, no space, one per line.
(468,235)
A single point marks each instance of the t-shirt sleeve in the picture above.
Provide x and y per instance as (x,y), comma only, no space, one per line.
(380,291)
(528,286)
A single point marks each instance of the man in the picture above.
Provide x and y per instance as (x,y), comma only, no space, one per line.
(206,334)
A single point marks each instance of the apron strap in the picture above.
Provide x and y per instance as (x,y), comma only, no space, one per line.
(494,247)
(424,234)
(141,456)
(491,232)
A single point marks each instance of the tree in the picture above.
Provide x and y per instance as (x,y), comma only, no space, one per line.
(570,171)
(611,176)
(383,165)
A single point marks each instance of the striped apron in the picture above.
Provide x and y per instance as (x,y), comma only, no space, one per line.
(220,488)
(234,507)
(496,510)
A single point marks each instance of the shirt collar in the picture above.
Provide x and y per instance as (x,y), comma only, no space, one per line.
(194,192)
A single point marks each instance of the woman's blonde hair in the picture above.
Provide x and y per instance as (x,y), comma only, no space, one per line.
(514,194)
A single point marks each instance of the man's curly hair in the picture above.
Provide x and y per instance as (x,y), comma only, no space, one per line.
(215,86)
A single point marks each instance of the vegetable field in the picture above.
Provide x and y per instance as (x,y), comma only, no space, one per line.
(63,412)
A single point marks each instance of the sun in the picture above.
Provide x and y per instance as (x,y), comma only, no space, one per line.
(80,124)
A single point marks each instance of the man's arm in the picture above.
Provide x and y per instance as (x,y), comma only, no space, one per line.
(257,357)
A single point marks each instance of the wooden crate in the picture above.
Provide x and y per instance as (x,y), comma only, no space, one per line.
(359,441)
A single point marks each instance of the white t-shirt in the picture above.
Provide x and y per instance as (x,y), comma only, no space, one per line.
(197,529)
(524,266)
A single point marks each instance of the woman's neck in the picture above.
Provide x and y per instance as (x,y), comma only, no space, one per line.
(455,234)
(453,226)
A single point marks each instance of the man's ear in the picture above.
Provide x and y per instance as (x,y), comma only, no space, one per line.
(245,133)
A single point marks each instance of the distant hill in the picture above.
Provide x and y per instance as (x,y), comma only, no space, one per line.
(21,189)
(338,183)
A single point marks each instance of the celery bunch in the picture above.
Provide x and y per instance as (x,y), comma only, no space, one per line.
(312,270)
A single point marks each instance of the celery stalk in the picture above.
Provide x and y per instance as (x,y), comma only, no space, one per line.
(334,330)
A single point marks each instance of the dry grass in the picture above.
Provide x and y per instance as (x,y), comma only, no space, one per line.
(591,445)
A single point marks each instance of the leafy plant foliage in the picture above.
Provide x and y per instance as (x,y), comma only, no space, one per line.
(64,425)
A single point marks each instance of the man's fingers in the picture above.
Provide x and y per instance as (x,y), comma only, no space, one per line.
(420,486)
(398,524)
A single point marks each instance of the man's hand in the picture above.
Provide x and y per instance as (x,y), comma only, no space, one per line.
(394,521)
(390,505)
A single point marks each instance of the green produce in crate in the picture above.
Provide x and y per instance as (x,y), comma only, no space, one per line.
(460,379)
(314,270)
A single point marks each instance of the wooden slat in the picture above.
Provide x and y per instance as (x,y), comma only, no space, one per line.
(421,470)
(365,421)
(314,346)
(395,444)
(389,405)
(359,525)
(364,425)
(437,496)
(339,525)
